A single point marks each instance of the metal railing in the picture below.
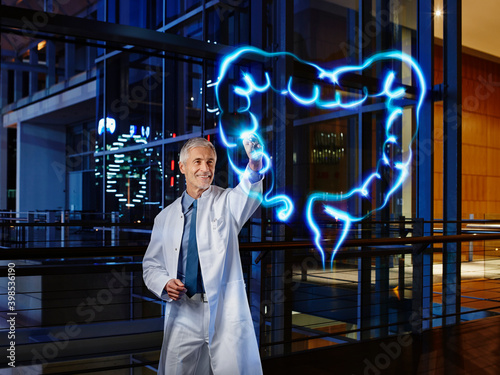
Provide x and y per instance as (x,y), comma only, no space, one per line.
(89,301)
(57,228)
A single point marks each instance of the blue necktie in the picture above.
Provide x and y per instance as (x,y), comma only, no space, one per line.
(192,257)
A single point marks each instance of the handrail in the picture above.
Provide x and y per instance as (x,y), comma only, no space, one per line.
(74,223)
(71,252)
(139,250)
(89,223)
(367,242)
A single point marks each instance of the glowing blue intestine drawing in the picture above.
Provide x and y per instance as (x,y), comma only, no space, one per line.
(391,93)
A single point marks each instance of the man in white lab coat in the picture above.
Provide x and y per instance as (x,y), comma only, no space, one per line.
(208,326)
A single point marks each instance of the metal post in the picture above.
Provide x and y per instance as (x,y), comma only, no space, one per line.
(115,230)
(452,138)
(63,229)
(69,60)
(33,74)
(419,319)
(256,284)
(283,155)
(425,152)
(367,47)
(471,243)
(4,87)
(50,56)
(401,293)
(50,230)
(382,293)
(31,229)
(364,296)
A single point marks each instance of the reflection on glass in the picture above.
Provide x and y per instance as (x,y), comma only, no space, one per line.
(227,22)
(322,157)
(212,110)
(173,179)
(134,100)
(183,97)
(178,8)
(133,185)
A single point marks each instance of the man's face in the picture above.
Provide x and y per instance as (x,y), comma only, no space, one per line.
(199,170)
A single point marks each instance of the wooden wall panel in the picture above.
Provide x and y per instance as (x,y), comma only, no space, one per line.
(493,125)
(474,159)
(492,189)
(495,96)
(438,157)
(475,129)
(480,138)
(493,161)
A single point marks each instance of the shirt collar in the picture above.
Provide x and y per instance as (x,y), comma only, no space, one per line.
(187,201)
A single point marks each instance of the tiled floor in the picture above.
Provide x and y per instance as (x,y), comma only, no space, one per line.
(469,348)
(472,347)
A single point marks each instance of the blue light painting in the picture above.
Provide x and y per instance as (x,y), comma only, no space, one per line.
(246,87)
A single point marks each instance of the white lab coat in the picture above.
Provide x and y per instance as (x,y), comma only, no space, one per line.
(221,215)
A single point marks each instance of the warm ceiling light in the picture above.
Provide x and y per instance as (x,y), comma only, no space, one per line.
(439,13)
(41,45)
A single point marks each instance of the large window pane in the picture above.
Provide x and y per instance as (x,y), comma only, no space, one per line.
(178,8)
(183,97)
(173,180)
(133,184)
(228,22)
(147,14)
(325,30)
(134,100)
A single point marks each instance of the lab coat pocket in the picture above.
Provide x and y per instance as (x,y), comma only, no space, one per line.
(236,306)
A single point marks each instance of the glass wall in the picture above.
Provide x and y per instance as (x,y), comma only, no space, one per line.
(133,184)
(133,100)
(83,194)
(336,150)
(153,100)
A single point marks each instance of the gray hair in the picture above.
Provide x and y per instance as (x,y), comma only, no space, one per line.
(192,143)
